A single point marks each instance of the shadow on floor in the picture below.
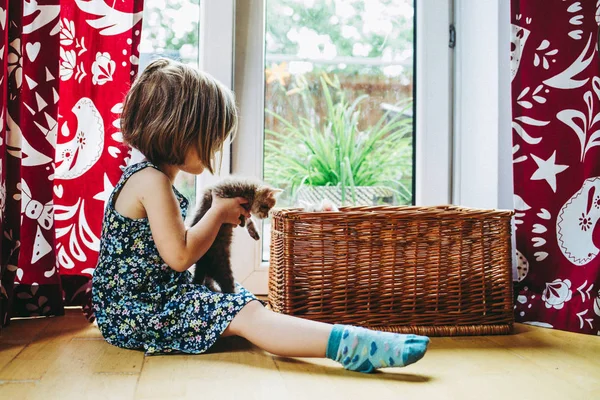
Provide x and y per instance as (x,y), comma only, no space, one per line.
(295,365)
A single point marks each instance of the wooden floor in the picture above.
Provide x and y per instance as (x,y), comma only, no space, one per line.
(65,357)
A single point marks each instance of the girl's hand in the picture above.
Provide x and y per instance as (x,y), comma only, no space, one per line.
(230,210)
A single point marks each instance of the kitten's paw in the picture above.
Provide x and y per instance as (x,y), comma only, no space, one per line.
(254,235)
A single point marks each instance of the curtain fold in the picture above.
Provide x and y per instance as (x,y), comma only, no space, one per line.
(67,65)
(556,156)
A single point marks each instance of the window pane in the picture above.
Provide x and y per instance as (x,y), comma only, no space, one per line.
(339,101)
(170,29)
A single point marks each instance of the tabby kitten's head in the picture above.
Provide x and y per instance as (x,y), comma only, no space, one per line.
(264,201)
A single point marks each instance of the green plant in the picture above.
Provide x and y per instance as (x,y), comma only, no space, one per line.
(335,152)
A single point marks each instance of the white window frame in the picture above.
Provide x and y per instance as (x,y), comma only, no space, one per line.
(434,61)
(216,56)
(249,84)
(433,112)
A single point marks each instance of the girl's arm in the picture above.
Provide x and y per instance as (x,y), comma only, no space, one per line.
(180,247)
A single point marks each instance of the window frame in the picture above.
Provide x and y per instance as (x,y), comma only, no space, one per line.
(247,148)
(216,56)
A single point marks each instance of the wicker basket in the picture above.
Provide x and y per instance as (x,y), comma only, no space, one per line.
(437,271)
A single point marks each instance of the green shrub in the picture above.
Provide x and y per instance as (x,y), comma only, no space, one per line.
(334,152)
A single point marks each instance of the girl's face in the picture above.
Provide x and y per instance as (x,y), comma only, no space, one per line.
(192,164)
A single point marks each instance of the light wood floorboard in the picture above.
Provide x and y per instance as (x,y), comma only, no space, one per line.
(66,358)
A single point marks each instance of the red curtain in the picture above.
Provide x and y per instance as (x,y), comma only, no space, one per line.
(556,155)
(66,66)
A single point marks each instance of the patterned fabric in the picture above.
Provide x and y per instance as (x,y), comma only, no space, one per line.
(66,66)
(556,136)
(99,58)
(140,302)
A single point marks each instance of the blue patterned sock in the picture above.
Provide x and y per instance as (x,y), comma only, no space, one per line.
(364,350)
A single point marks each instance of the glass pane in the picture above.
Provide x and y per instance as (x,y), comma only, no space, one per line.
(170,29)
(339,101)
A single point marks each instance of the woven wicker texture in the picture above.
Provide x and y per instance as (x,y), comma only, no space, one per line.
(437,271)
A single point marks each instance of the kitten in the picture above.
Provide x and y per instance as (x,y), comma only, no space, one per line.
(215,266)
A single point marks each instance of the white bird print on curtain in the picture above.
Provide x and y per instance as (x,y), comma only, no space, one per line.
(77,156)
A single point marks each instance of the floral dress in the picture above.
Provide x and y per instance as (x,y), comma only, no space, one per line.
(140,302)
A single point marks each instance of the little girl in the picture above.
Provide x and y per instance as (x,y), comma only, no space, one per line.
(143,294)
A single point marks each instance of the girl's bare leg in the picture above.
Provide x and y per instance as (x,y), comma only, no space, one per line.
(356,348)
(280,334)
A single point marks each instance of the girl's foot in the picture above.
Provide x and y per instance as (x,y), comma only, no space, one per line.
(364,350)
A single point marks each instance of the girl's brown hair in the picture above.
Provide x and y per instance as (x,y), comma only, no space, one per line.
(171,108)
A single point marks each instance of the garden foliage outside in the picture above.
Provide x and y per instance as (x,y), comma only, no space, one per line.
(332,149)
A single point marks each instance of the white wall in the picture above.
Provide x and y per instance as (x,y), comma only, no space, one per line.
(482,129)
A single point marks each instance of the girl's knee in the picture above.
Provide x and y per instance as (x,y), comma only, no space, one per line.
(247,315)
(253,307)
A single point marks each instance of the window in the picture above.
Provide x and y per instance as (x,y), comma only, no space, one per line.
(338,99)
